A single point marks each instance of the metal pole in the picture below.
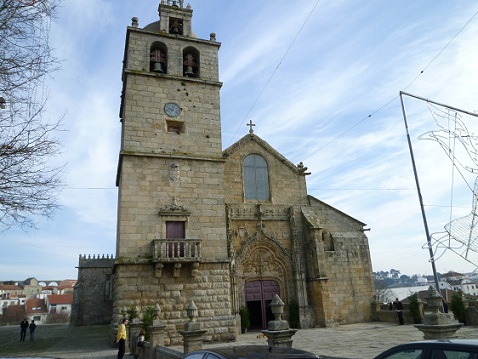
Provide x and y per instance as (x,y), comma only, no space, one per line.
(425,224)
(437,103)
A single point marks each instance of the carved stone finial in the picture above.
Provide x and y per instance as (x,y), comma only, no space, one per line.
(192,311)
(277,307)
(134,22)
(156,310)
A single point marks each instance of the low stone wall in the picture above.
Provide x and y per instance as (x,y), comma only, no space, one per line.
(382,313)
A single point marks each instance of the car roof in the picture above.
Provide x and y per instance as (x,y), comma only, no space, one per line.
(260,351)
(456,344)
(447,342)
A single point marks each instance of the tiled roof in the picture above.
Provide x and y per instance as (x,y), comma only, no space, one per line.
(35,306)
(10,287)
(68,283)
(60,299)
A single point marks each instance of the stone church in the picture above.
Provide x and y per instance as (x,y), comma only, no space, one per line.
(227,229)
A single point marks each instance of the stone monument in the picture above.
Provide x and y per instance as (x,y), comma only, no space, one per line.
(437,325)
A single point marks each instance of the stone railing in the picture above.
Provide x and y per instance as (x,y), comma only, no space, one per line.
(177,250)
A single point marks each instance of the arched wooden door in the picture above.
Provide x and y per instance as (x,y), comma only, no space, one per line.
(259,294)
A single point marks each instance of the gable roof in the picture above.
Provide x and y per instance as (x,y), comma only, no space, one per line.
(254,138)
(315,222)
(29,281)
(60,299)
(10,287)
(452,274)
(35,306)
(67,283)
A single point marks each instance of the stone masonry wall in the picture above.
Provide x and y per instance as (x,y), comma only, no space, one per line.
(197,187)
(286,187)
(209,289)
(139,44)
(145,122)
(92,297)
(350,283)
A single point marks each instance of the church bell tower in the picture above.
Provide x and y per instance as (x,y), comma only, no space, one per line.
(171,232)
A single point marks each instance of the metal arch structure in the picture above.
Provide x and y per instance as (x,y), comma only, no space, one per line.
(463,223)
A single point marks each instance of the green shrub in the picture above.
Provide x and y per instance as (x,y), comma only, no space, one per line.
(415,308)
(294,317)
(148,317)
(458,307)
(245,320)
(132,313)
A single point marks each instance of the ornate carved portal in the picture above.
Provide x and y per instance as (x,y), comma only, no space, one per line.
(263,267)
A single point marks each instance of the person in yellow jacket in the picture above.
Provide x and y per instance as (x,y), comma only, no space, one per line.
(121,338)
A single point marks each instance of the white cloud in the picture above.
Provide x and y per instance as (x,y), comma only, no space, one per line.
(350,61)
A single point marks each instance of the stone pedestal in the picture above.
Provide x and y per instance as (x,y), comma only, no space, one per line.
(278,332)
(280,338)
(156,336)
(192,339)
(192,333)
(437,325)
(441,331)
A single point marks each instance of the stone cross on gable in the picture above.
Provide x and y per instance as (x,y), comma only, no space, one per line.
(250,124)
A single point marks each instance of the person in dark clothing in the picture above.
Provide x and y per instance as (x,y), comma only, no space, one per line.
(32,327)
(23,329)
(399,307)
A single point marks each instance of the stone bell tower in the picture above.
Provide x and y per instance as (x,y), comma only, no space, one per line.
(171,234)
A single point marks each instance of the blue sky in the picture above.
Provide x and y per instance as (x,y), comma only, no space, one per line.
(320,79)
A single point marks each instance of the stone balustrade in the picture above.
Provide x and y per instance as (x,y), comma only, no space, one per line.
(177,250)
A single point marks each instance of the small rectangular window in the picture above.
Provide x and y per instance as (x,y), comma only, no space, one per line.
(174,126)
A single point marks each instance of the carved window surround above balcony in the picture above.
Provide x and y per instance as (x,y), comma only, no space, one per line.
(174,210)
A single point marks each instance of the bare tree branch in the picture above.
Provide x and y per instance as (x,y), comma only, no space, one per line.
(29,183)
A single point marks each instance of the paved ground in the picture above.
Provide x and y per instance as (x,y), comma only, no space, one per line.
(364,340)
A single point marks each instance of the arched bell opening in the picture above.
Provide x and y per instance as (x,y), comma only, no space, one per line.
(191,62)
(158,58)
(175,26)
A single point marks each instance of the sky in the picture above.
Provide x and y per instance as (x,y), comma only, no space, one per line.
(321,81)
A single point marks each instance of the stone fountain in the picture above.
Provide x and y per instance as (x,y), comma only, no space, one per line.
(437,325)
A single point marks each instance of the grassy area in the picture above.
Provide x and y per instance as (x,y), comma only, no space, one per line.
(51,338)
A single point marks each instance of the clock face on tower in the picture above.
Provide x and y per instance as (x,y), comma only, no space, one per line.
(172,109)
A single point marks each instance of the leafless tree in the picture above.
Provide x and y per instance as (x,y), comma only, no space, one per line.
(61,317)
(13,314)
(383,294)
(29,180)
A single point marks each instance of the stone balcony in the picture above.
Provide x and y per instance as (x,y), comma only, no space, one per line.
(178,252)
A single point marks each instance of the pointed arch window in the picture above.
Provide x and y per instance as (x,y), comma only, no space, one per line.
(256,178)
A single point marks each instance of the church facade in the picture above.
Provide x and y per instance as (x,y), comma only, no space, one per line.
(226,229)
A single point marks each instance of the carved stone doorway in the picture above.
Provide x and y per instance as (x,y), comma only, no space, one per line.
(259,294)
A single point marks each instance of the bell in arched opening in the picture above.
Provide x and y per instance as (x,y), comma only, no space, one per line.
(157,58)
(189,64)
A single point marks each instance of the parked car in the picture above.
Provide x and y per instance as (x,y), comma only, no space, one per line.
(250,351)
(434,349)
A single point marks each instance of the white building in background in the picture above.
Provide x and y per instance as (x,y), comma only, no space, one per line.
(404,292)
(421,281)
